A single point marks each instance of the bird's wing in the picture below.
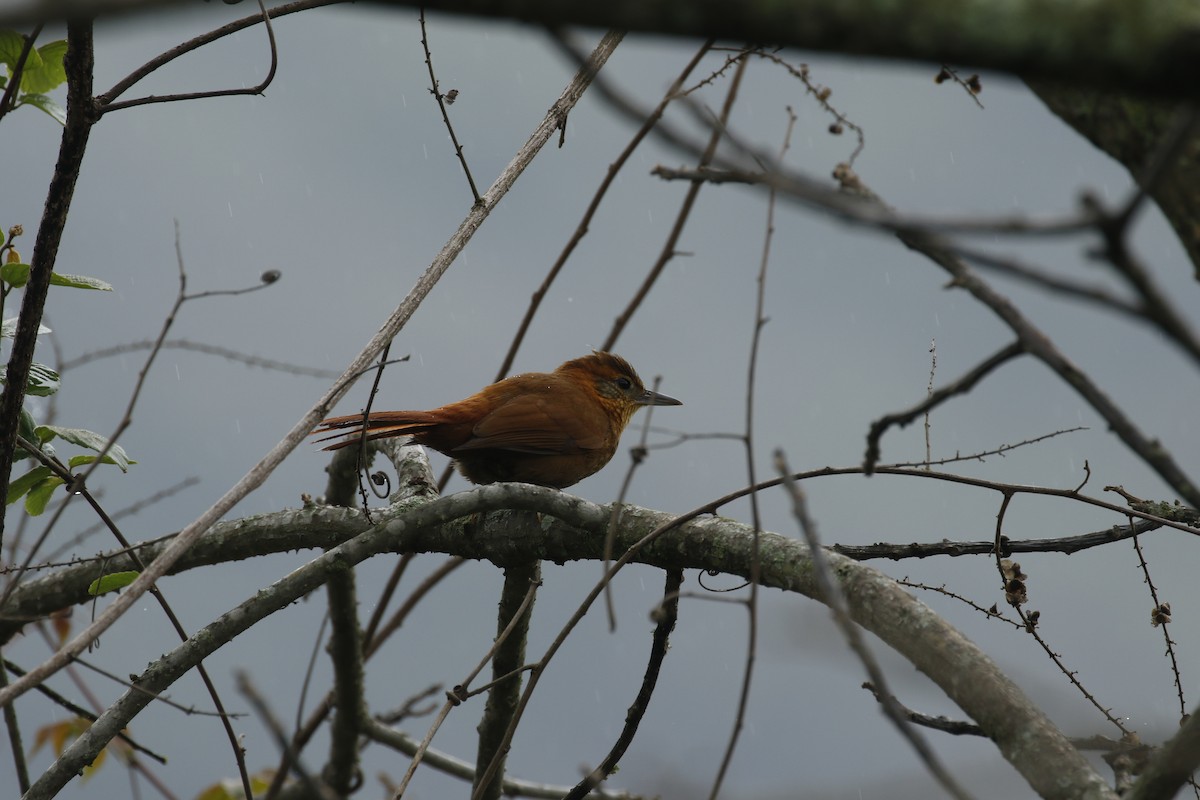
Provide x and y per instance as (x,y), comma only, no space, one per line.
(531,423)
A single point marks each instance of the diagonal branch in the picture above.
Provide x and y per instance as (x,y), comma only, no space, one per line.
(935,399)
(260,471)
(1037,344)
(665,616)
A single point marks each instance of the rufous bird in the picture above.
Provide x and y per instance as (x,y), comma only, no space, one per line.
(547,428)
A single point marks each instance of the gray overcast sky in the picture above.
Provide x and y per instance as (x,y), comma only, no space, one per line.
(343,178)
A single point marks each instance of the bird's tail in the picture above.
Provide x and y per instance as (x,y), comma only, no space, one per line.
(378,425)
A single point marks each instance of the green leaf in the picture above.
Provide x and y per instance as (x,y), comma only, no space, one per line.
(39,495)
(111,582)
(81,460)
(27,429)
(89,439)
(48,73)
(79,282)
(18,487)
(9,328)
(11,45)
(15,275)
(43,381)
(27,426)
(45,103)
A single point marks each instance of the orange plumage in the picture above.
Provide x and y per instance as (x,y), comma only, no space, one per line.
(548,428)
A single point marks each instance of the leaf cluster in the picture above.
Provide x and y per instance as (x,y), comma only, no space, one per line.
(41,72)
(38,484)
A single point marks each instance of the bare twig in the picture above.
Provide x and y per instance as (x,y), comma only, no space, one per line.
(581,230)
(1160,617)
(669,251)
(836,601)
(934,399)
(1037,344)
(1065,544)
(9,101)
(664,616)
(1013,583)
(759,322)
(16,744)
(953,727)
(458,768)
(198,347)
(636,456)
(79,711)
(516,619)
(315,786)
(105,103)
(436,91)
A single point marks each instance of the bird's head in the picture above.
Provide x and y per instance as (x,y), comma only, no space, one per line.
(616,385)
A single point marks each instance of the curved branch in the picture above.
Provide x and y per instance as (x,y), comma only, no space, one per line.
(1025,736)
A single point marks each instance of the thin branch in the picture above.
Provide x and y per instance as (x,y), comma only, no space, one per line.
(637,455)
(198,347)
(79,488)
(9,101)
(1013,583)
(669,251)
(934,399)
(1011,267)
(1036,343)
(982,455)
(816,194)
(106,103)
(1160,618)
(79,711)
(315,787)
(835,598)
(189,710)
(452,697)
(418,594)
(759,322)
(435,759)
(954,727)
(990,613)
(16,744)
(121,513)
(581,230)
(665,616)
(436,91)
(1065,544)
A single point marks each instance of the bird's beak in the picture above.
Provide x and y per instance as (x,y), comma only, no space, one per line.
(650,398)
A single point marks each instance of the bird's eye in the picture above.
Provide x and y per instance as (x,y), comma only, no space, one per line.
(624,384)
